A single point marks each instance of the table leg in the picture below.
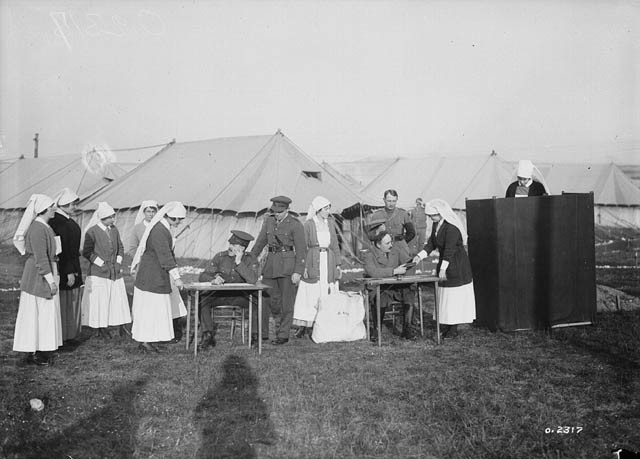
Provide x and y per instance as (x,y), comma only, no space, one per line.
(259,322)
(420,309)
(250,316)
(366,309)
(435,299)
(378,315)
(188,319)
(195,326)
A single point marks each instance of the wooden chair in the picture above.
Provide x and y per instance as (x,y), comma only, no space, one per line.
(234,315)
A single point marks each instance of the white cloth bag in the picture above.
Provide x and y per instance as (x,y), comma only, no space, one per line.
(340,318)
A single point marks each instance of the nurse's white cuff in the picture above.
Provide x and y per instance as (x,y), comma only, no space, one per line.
(175,275)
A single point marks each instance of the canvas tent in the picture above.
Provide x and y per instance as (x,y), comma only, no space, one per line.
(617,199)
(226,184)
(46,175)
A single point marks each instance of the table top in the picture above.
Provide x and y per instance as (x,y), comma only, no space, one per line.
(416,278)
(207,286)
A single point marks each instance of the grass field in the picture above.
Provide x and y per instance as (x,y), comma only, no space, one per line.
(481,395)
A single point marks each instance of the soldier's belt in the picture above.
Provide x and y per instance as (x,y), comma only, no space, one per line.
(282,248)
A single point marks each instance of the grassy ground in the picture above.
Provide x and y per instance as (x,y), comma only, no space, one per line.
(481,395)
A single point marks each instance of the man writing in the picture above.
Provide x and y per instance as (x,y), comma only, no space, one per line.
(233,265)
(384,260)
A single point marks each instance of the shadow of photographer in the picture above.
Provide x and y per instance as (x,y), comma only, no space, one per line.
(231,416)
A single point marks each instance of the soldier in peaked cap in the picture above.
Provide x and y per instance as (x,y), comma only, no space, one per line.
(230,266)
(283,235)
(70,234)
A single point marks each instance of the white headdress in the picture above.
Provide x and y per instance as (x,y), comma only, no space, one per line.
(173,209)
(65,196)
(442,207)
(103,210)
(526,169)
(143,207)
(319,202)
(36,204)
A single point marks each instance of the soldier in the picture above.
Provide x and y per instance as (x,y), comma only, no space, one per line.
(397,223)
(419,219)
(68,264)
(284,237)
(233,265)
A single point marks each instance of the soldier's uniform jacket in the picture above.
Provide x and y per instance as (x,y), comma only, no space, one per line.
(286,247)
(69,259)
(397,223)
(224,265)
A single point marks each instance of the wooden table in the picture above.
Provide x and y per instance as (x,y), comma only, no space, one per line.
(197,287)
(399,280)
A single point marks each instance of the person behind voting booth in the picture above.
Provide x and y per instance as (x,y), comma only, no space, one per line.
(38,330)
(157,279)
(283,235)
(530,182)
(70,234)
(456,300)
(397,223)
(322,265)
(234,265)
(384,259)
(104,301)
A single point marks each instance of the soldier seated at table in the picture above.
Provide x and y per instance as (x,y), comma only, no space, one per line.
(234,265)
(384,260)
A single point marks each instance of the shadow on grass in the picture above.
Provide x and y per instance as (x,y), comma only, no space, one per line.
(613,341)
(231,416)
(109,432)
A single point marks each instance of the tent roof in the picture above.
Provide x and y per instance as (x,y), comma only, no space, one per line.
(236,174)
(609,184)
(455,179)
(49,175)
(452,179)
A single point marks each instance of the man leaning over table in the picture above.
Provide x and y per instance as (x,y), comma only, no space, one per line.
(234,265)
(384,259)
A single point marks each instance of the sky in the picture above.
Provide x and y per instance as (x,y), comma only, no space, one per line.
(542,80)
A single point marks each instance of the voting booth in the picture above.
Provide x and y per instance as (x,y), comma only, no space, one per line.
(533,261)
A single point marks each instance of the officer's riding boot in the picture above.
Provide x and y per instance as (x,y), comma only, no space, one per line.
(444,330)
(207,340)
(177,330)
(453,331)
(407,330)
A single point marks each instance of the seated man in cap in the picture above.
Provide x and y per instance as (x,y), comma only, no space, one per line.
(384,259)
(526,185)
(287,249)
(233,265)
